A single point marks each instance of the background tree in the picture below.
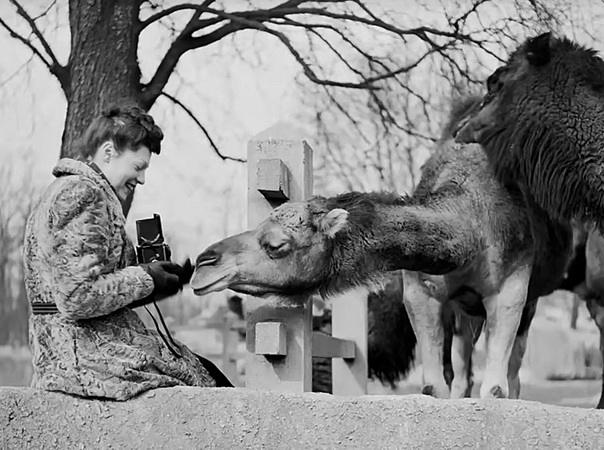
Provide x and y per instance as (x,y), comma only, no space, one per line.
(17,196)
(378,138)
(359,49)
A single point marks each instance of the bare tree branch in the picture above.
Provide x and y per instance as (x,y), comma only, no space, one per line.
(31,22)
(48,8)
(16,72)
(166,12)
(51,62)
(185,42)
(203,129)
(257,19)
(308,71)
(26,42)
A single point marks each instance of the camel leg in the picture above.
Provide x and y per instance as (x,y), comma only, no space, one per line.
(596,311)
(461,357)
(514,365)
(593,289)
(448,325)
(424,314)
(601,326)
(520,348)
(462,351)
(504,311)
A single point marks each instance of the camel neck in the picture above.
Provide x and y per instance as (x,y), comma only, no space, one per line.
(386,236)
(423,238)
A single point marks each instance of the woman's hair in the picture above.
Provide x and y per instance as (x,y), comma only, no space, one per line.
(127,126)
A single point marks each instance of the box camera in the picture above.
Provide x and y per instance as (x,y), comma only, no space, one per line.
(151,246)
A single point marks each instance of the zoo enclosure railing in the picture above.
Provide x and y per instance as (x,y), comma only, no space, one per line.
(279,339)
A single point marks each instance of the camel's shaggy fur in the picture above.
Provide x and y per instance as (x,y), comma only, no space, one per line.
(541,126)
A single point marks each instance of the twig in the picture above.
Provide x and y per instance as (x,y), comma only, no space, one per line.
(203,129)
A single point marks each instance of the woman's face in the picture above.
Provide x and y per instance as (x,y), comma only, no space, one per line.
(126,169)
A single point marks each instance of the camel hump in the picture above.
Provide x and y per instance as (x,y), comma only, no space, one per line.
(281,131)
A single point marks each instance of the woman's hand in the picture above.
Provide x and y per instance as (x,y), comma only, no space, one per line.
(166,278)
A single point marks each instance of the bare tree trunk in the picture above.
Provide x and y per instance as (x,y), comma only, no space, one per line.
(99,77)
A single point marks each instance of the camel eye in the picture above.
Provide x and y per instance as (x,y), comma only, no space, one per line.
(494,86)
(277,249)
(494,83)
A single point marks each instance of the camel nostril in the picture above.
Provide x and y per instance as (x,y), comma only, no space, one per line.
(207,258)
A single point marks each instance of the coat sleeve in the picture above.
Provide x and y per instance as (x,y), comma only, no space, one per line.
(88,282)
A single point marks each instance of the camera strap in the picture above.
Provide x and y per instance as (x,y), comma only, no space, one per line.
(220,378)
(151,242)
(173,347)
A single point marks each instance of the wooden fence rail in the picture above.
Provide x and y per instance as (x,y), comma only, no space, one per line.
(279,339)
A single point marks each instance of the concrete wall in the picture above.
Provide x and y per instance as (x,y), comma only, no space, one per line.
(185,418)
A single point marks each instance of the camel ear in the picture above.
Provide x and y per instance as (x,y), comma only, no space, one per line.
(538,49)
(333,221)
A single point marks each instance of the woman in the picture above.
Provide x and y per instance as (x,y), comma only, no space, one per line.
(81,277)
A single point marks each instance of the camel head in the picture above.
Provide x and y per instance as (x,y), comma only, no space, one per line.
(511,87)
(286,255)
(540,124)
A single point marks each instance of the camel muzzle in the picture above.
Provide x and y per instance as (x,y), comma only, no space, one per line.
(207,258)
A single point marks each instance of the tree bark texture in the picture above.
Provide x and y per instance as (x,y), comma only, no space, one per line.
(103,62)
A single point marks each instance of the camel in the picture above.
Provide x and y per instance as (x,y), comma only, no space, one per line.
(540,126)
(459,224)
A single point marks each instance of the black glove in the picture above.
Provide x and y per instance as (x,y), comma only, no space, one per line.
(165,276)
(168,279)
(185,273)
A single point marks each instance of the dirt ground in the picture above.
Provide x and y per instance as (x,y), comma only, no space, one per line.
(581,393)
(574,393)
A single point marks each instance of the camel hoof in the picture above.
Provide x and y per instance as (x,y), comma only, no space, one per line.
(497,392)
(460,391)
(428,390)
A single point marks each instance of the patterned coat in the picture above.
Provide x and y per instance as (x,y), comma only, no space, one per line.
(77,255)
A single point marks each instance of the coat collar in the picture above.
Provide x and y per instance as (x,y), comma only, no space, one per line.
(69,166)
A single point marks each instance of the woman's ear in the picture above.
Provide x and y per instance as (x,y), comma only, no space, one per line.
(107,149)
